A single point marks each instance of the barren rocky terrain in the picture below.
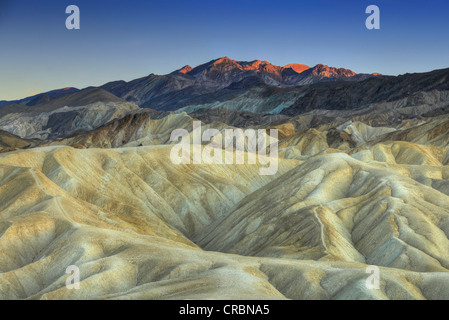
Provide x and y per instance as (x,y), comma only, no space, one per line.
(363,180)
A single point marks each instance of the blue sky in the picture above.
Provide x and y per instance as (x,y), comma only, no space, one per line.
(131,39)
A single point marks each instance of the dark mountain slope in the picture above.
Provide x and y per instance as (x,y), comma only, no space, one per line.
(351,95)
(41,97)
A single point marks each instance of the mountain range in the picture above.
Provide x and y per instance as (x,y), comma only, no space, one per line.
(219,77)
(206,78)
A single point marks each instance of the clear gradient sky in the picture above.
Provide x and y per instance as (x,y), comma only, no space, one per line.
(124,40)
